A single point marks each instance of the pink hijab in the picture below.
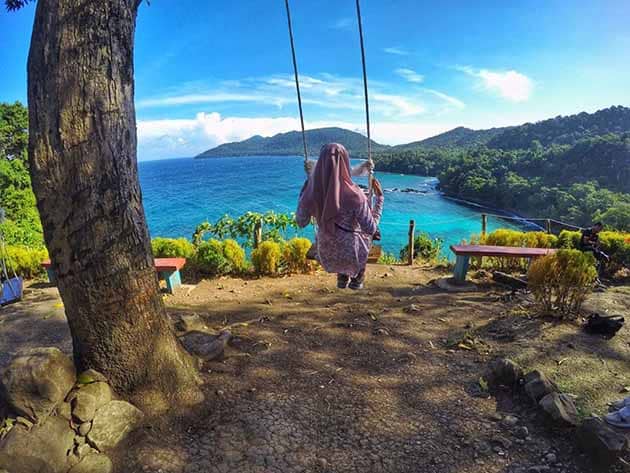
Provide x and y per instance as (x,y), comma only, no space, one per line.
(330,187)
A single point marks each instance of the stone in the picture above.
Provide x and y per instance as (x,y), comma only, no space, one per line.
(560,408)
(93,463)
(37,380)
(509,421)
(503,372)
(82,450)
(43,449)
(89,398)
(551,458)
(90,376)
(537,385)
(112,423)
(206,346)
(84,407)
(604,444)
(84,428)
(191,323)
(521,432)
(64,410)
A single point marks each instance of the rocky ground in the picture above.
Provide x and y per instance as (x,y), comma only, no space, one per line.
(321,380)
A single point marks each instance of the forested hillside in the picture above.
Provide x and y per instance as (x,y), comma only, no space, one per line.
(459,137)
(287,144)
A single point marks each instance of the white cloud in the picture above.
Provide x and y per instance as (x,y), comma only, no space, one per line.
(343,24)
(392,105)
(409,75)
(396,51)
(447,98)
(190,136)
(510,85)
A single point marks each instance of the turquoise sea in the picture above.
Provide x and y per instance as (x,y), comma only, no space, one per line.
(180,193)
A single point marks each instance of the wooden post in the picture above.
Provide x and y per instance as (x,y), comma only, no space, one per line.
(257,234)
(548,225)
(412,237)
(484,224)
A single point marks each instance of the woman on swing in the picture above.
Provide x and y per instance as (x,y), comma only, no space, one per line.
(346,224)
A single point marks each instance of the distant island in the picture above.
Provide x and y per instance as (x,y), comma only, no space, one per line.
(290,144)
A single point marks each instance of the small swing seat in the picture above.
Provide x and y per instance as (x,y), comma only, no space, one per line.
(11,290)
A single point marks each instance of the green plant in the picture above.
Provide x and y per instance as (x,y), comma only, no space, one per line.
(25,261)
(294,255)
(273,227)
(569,239)
(266,257)
(388,258)
(210,258)
(561,281)
(424,247)
(172,248)
(235,256)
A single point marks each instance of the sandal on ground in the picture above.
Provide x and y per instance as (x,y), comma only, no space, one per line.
(618,405)
(621,418)
(355,284)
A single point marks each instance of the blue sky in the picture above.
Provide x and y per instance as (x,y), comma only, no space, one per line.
(211,72)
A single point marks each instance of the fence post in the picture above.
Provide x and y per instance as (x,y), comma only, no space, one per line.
(410,254)
(548,225)
(484,224)
(257,234)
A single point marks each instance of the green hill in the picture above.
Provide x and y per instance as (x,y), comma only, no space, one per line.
(459,137)
(288,144)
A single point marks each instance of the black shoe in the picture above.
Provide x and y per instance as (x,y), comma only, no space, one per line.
(356,283)
(342,281)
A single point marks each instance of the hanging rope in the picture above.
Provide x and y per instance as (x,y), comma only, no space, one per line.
(367,104)
(297,84)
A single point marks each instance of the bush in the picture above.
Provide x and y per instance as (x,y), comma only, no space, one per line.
(569,239)
(172,248)
(614,244)
(235,256)
(210,258)
(388,258)
(424,248)
(507,237)
(266,257)
(294,255)
(25,261)
(561,281)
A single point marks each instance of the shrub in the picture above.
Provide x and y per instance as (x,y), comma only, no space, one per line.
(561,281)
(614,244)
(25,261)
(210,258)
(172,248)
(235,256)
(388,258)
(294,255)
(569,239)
(424,248)
(266,257)
(507,237)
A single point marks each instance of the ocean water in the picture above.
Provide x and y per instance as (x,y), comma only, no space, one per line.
(179,194)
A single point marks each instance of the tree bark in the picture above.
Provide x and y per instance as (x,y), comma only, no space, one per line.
(82,152)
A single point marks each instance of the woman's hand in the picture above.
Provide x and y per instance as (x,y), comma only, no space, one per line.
(309,166)
(376,188)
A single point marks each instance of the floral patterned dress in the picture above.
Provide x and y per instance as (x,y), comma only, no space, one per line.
(345,251)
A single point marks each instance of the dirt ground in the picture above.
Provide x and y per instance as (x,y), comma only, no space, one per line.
(324,380)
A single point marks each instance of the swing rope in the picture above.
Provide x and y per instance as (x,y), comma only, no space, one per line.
(297,84)
(367,104)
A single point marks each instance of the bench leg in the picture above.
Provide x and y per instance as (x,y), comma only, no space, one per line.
(173,280)
(461,268)
(52,277)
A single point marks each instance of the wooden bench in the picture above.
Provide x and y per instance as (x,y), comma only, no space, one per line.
(464,252)
(167,269)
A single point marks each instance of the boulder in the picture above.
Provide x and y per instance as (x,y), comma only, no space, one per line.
(190,323)
(604,444)
(88,398)
(93,463)
(37,380)
(112,423)
(43,449)
(84,428)
(537,385)
(560,408)
(503,372)
(64,410)
(203,345)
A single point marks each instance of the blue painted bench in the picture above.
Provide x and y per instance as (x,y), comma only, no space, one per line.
(464,252)
(167,269)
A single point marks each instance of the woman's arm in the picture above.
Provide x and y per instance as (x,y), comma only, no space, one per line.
(302,216)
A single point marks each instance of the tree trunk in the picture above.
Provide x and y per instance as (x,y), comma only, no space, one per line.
(82,151)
